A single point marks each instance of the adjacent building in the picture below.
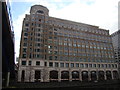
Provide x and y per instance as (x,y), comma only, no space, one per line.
(116,44)
(54,49)
(8,70)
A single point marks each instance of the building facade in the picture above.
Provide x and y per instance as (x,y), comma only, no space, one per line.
(116,44)
(53,49)
(8,70)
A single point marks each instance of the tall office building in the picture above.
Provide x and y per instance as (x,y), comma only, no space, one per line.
(57,49)
(116,44)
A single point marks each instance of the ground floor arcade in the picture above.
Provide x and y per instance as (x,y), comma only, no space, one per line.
(62,74)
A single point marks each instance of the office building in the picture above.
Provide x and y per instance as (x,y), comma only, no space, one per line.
(116,44)
(54,49)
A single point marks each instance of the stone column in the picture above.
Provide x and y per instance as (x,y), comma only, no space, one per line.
(97,74)
(112,74)
(89,76)
(42,75)
(27,73)
(70,75)
(46,75)
(59,76)
(105,75)
(80,75)
(19,75)
(32,75)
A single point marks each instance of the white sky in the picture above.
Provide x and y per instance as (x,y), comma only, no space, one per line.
(102,13)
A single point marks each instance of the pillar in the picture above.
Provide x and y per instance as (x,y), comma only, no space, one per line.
(89,76)
(105,75)
(32,75)
(112,74)
(70,75)
(59,76)
(97,74)
(19,75)
(80,75)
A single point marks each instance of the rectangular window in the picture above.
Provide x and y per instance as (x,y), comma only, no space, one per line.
(67,64)
(23,62)
(102,65)
(94,65)
(61,64)
(24,49)
(25,44)
(55,57)
(77,64)
(30,62)
(51,64)
(24,56)
(81,65)
(50,47)
(50,57)
(37,62)
(25,39)
(90,65)
(86,65)
(45,63)
(25,34)
(72,64)
(98,65)
(55,52)
(26,24)
(56,64)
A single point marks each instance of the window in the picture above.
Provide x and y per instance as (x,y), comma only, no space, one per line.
(72,64)
(39,11)
(55,33)
(50,37)
(23,62)
(77,64)
(50,57)
(55,52)
(55,57)
(25,34)
(30,62)
(50,47)
(61,64)
(94,65)
(90,65)
(81,65)
(115,65)
(24,49)
(37,62)
(25,39)
(26,24)
(98,65)
(55,29)
(102,65)
(24,56)
(50,52)
(25,44)
(109,65)
(56,64)
(86,65)
(45,63)
(67,64)
(51,64)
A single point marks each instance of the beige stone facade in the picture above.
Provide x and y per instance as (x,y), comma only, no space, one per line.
(54,49)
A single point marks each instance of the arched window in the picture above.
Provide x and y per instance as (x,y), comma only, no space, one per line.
(39,11)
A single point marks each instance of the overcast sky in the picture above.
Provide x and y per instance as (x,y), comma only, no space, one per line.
(102,13)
